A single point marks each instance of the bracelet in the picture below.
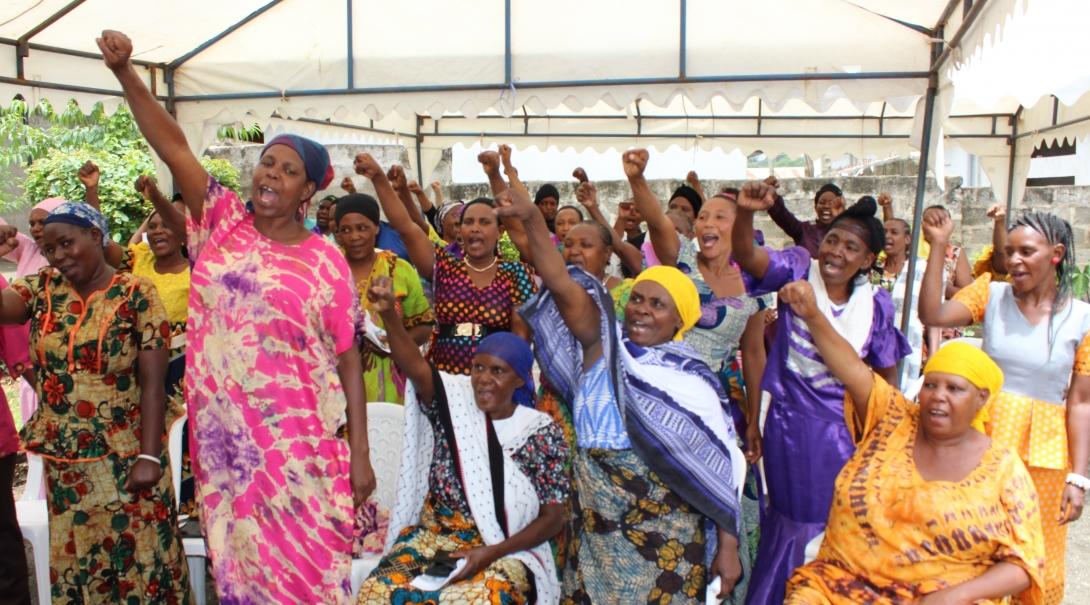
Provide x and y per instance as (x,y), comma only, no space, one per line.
(1078,481)
(150,458)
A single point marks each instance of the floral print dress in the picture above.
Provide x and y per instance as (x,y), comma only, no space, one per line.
(106,543)
(267,322)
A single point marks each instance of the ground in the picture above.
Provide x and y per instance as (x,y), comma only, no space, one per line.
(1078,540)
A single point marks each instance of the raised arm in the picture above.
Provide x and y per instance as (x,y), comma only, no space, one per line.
(490,163)
(694,181)
(937,227)
(89,176)
(162,132)
(421,250)
(510,171)
(753,197)
(660,229)
(587,196)
(575,305)
(172,217)
(403,350)
(998,214)
(885,200)
(839,356)
(400,183)
(785,219)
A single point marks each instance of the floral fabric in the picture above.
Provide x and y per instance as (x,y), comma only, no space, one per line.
(267,322)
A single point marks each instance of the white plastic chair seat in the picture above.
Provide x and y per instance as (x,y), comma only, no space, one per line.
(361,568)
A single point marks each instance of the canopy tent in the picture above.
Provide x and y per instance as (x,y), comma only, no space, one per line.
(867,77)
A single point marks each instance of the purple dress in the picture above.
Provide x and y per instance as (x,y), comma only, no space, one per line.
(806,441)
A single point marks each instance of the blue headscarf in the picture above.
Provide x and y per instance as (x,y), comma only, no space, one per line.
(315,157)
(516,353)
(80,215)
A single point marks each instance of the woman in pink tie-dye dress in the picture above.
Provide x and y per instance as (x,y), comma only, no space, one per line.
(271,367)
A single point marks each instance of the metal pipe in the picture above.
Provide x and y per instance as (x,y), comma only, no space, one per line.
(65,87)
(22,48)
(348,126)
(73,53)
(506,43)
(682,31)
(707,117)
(1039,131)
(966,24)
(350,56)
(223,34)
(419,137)
(1011,160)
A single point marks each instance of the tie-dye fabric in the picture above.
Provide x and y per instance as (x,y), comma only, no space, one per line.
(267,322)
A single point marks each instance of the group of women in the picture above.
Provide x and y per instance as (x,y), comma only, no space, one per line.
(630,475)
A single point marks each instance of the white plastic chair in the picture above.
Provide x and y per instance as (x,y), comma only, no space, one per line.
(385,436)
(195,553)
(33,517)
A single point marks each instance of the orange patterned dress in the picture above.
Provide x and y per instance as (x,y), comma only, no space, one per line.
(894,537)
(1034,427)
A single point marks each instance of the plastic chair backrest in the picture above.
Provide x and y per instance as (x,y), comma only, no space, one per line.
(174,453)
(35,478)
(385,435)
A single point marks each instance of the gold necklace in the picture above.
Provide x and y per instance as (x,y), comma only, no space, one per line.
(465,259)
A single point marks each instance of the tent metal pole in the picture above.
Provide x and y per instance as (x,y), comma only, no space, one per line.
(223,34)
(64,87)
(350,54)
(966,24)
(1058,126)
(683,33)
(1010,163)
(507,42)
(168,77)
(419,138)
(68,52)
(22,50)
(713,136)
(346,126)
(917,214)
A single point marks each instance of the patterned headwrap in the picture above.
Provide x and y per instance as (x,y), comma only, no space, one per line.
(49,204)
(445,210)
(80,215)
(972,364)
(515,352)
(680,288)
(315,157)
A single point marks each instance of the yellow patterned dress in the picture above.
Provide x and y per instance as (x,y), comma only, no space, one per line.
(106,544)
(1029,416)
(894,537)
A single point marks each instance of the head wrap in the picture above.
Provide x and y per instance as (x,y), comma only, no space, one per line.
(444,211)
(49,204)
(515,352)
(360,203)
(80,215)
(546,190)
(681,289)
(315,157)
(330,198)
(690,194)
(826,188)
(972,364)
(862,213)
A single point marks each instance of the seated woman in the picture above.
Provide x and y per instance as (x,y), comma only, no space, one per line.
(929,509)
(656,496)
(487,485)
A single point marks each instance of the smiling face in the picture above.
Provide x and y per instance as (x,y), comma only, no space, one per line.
(494,383)
(566,218)
(280,183)
(479,231)
(37,223)
(162,241)
(74,251)
(897,238)
(585,248)
(948,405)
(651,317)
(713,227)
(827,207)
(356,234)
(843,253)
(1029,259)
(684,206)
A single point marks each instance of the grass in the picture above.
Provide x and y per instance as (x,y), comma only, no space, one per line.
(11,391)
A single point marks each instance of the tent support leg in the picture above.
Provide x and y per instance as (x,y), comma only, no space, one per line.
(419,136)
(1013,142)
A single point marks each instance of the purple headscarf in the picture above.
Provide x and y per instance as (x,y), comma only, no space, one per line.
(315,157)
(515,352)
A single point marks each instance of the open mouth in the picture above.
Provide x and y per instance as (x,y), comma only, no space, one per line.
(266,196)
(708,240)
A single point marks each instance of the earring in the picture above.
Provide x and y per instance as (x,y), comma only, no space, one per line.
(1055,260)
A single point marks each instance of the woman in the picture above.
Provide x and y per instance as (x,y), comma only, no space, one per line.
(271,366)
(805,441)
(929,509)
(357,220)
(828,204)
(1038,334)
(490,488)
(893,277)
(566,218)
(449,220)
(474,295)
(687,201)
(653,466)
(98,339)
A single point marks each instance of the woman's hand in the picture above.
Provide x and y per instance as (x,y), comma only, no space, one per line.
(361,475)
(515,205)
(89,175)
(635,162)
(587,195)
(505,157)
(116,49)
(490,162)
(8,240)
(1071,505)
(756,196)
(477,560)
(381,294)
(580,174)
(946,596)
(396,176)
(347,185)
(937,227)
(753,441)
(726,565)
(143,474)
(800,295)
(368,167)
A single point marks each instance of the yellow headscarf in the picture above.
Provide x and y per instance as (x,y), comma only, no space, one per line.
(972,364)
(680,288)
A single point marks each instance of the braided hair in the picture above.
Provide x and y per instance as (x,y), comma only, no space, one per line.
(1056,231)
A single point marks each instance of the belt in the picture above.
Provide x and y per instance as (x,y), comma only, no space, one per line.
(465,330)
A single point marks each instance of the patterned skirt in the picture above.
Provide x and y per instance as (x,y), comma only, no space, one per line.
(441,528)
(631,535)
(107,545)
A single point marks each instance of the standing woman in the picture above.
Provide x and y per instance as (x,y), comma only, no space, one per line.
(893,278)
(1038,334)
(357,221)
(476,294)
(271,364)
(98,339)
(805,441)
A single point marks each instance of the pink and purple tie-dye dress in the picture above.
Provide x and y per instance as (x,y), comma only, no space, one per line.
(267,322)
